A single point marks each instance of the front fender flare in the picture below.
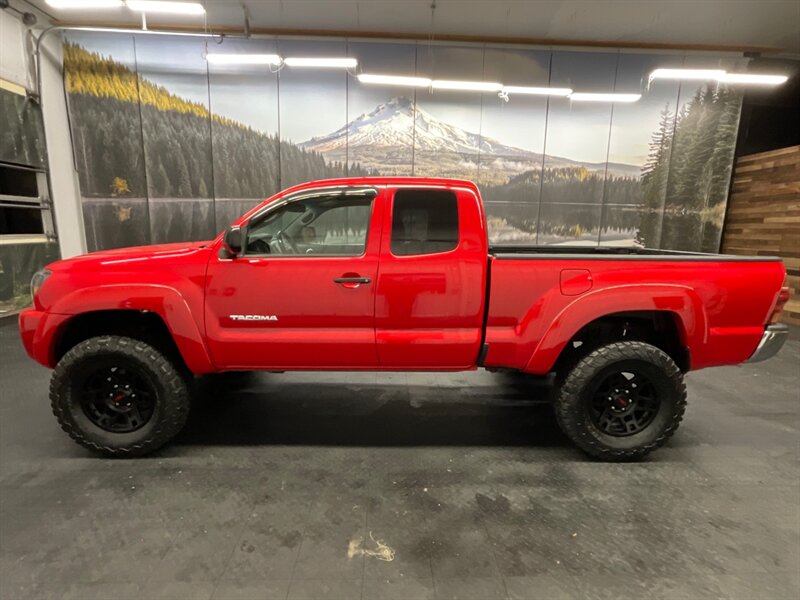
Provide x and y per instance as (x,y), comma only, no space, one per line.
(165,301)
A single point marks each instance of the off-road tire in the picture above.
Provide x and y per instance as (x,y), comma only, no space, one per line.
(573,395)
(170,383)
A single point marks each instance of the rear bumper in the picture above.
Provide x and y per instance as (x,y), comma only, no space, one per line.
(772,341)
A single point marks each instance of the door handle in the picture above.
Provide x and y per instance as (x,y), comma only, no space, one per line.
(356,280)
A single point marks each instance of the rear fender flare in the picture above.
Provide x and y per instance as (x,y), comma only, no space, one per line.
(682,301)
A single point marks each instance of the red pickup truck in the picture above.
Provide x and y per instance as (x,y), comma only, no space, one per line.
(393,274)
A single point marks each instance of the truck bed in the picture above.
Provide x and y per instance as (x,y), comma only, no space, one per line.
(614,252)
(539,297)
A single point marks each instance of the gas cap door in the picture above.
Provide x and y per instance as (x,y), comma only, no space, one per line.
(575,281)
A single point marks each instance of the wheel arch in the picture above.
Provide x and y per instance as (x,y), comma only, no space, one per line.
(661,329)
(140,325)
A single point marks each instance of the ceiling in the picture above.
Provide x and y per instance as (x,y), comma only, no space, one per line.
(738,24)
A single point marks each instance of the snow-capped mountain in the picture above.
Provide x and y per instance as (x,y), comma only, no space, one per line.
(392,124)
(383,140)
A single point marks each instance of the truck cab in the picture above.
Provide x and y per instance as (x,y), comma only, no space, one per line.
(353,277)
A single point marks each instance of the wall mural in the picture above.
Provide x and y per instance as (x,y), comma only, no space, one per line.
(171,147)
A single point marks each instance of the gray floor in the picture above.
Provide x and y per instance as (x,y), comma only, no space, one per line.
(463,476)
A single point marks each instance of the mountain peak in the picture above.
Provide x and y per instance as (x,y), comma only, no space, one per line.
(398,104)
(390,123)
(401,102)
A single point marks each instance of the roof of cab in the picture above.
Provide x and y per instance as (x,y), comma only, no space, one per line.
(386,181)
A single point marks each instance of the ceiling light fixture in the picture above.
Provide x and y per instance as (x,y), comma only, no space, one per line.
(243,59)
(720,76)
(701,74)
(589,97)
(69,4)
(165,7)
(325,63)
(472,86)
(536,91)
(753,78)
(394,80)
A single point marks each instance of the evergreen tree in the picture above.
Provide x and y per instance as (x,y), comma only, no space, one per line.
(159,183)
(654,172)
(184,189)
(721,159)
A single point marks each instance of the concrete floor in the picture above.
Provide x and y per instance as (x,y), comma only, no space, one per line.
(463,476)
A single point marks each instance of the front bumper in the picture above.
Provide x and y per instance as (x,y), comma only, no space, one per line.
(38,331)
(29,321)
(772,341)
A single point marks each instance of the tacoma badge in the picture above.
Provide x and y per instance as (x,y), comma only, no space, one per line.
(253,317)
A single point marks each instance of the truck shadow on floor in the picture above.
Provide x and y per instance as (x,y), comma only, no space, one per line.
(282,409)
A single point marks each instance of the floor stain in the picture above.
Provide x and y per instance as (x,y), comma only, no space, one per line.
(381,551)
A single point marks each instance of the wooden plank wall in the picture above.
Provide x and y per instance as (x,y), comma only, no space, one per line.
(764,214)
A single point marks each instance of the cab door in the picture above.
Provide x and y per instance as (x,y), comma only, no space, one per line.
(432,279)
(302,294)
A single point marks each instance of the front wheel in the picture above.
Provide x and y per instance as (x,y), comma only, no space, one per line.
(621,401)
(119,396)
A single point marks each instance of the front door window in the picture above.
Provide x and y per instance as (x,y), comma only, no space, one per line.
(326,225)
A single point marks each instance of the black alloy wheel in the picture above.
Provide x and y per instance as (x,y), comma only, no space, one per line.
(624,403)
(118,399)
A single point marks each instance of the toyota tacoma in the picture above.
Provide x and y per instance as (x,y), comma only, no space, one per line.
(393,274)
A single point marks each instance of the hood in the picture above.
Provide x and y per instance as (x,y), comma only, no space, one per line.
(132,255)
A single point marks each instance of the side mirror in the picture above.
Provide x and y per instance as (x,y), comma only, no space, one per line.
(232,241)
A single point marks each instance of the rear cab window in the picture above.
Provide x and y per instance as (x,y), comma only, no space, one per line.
(424,221)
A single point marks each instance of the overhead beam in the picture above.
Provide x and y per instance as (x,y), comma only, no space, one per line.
(439,37)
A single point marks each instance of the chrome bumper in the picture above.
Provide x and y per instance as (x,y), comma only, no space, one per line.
(771,341)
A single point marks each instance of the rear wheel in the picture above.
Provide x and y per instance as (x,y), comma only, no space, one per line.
(119,396)
(621,401)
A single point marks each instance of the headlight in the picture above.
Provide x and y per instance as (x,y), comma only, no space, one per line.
(37,281)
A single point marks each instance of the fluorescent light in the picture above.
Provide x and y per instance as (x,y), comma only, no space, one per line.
(340,63)
(703,74)
(394,80)
(162,6)
(243,59)
(586,97)
(67,4)
(718,75)
(145,31)
(473,86)
(537,91)
(753,78)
